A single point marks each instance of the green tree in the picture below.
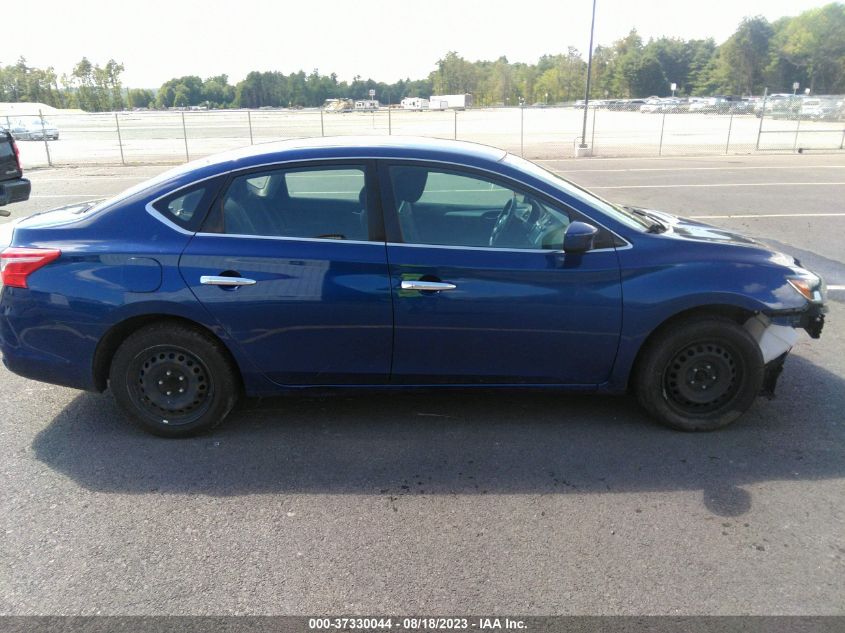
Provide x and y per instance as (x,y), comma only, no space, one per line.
(739,66)
(139,98)
(814,42)
(454,75)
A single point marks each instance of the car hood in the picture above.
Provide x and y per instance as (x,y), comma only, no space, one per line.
(686,229)
(690,229)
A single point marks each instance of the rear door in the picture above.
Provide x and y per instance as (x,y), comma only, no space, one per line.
(291,262)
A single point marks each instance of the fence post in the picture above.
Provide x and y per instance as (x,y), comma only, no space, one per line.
(842,142)
(522,130)
(456,124)
(797,128)
(46,144)
(593,133)
(762,116)
(730,125)
(662,125)
(389,121)
(322,126)
(249,121)
(185,136)
(119,139)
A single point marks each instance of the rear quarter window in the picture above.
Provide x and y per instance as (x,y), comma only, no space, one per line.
(186,207)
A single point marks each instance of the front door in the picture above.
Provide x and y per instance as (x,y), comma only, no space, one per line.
(482,293)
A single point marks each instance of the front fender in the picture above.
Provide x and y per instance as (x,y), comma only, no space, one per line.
(654,295)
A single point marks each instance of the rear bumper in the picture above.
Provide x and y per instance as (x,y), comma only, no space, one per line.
(50,370)
(14,191)
(48,351)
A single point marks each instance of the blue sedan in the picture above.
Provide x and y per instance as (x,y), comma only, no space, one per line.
(392,263)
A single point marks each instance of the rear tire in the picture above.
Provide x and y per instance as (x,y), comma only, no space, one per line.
(700,375)
(173,380)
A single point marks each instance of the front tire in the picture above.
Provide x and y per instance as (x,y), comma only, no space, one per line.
(700,375)
(173,380)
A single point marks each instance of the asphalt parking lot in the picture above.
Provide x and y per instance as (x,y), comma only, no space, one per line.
(458,503)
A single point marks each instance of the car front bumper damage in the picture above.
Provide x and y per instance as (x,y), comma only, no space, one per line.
(777,333)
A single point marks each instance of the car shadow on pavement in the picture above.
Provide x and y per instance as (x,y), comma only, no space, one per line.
(459,443)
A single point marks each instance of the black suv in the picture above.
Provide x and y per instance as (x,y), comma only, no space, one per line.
(13,186)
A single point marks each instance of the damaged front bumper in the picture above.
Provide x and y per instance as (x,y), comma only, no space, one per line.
(776,334)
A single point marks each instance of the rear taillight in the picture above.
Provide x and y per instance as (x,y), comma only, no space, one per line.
(17,154)
(16,264)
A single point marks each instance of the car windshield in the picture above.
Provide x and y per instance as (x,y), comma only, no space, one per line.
(617,212)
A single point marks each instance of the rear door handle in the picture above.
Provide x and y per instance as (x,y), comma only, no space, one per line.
(222,280)
(435,286)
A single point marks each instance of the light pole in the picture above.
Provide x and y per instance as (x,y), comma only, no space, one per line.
(589,69)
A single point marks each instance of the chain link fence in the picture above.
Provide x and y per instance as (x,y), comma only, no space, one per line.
(533,132)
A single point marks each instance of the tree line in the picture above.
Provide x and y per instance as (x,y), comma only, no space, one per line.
(808,48)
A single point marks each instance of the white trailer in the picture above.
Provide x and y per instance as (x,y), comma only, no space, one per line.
(366,104)
(414,103)
(451,102)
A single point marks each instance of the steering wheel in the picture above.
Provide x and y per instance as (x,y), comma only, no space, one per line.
(503,222)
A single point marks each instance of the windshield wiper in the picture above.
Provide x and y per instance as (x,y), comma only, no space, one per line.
(655,226)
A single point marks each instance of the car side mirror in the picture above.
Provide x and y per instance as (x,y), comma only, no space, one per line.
(579,237)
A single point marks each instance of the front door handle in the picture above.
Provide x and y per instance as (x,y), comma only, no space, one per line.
(222,280)
(435,286)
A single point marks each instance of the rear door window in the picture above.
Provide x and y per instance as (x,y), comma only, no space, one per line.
(324,202)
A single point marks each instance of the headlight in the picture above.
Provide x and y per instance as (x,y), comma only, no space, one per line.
(811,287)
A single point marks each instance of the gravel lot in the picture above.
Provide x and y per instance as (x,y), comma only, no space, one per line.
(458,503)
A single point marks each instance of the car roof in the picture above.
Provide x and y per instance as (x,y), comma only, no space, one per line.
(334,147)
(360,146)
(329,148)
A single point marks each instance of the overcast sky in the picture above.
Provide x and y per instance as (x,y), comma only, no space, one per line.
(385,40)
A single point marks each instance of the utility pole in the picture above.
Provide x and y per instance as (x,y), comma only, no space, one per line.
(583,145)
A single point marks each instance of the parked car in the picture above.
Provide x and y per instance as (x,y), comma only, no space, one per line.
(817,109)
(672,105)
(392,263)
(634,104)
(780,106)
(13,186)
(34,129)
(651,106)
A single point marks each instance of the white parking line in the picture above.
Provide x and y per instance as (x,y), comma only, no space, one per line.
(836,287)
(724,184)
(633,169)
(768,215)
(70,195)
(666,159)
(88,178)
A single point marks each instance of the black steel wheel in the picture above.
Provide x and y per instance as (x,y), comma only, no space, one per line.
(174,380)
(702,377)
(172,383)
(700,374)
